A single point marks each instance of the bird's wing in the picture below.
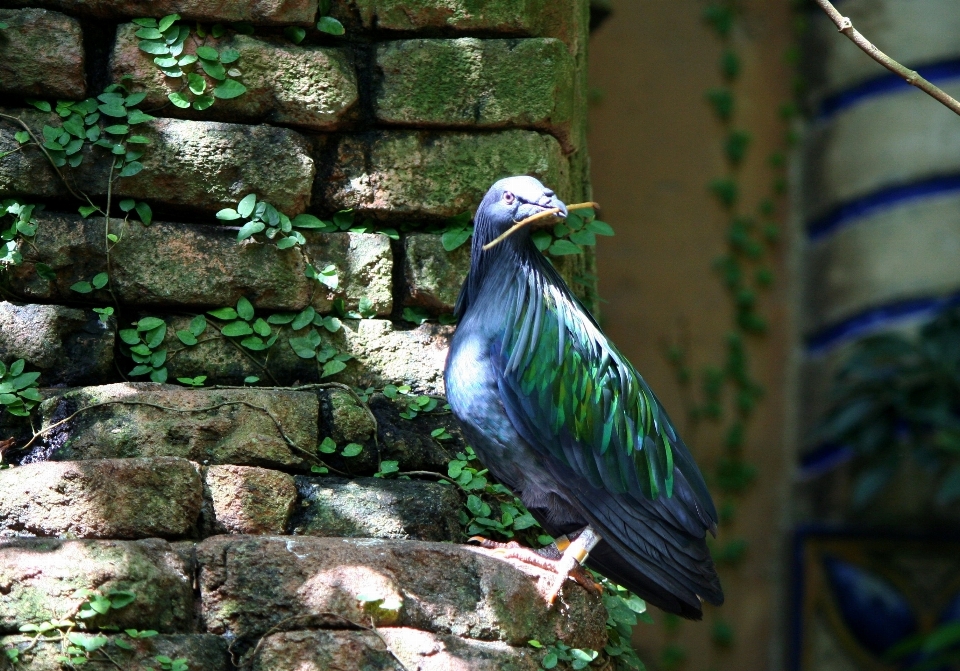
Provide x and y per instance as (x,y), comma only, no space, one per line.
(574,397)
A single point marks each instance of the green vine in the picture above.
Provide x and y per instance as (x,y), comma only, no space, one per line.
(729,392)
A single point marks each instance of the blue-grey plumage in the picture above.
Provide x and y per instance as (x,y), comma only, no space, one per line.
(561,418)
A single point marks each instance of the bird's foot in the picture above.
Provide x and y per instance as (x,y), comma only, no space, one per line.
(549,558)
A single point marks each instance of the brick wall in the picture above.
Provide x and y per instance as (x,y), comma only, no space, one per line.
(202,501)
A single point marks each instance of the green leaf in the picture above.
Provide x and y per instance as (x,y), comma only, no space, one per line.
(327,446)
(196,83)
(114,109)
(100,280)
(229,55)
(81,287)
(179,100)
(138,139)
(198,325)
(246,205)
(21,136)
(129,336)
(223,313)
(564,248)
(202,102)
(250,229)
(228,214)
(236,329)
(352,450)
(149,34)
(295,34)
(46,272)
(86,210)
(127,204)
(41,105)
(333,367)
(145,213)
(149,323)
(309,221)
(187,338)
(245,309)
(451,240)
(281,318)
(303,319)
(136,116)
(209,53)
(214,70)
(158,375)
(329,25)
(167,21)
(131,169)
(229,88)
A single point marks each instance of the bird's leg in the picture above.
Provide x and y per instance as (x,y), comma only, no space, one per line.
(572,559)
(551,558)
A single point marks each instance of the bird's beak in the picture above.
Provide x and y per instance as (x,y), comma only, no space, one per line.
(546,202)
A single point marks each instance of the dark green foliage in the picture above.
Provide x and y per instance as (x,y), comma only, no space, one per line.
(898,398)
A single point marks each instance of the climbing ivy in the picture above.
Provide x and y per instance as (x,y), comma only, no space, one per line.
(729,392)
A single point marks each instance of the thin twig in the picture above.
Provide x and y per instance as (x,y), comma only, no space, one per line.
(532,218)
(845,26)
(46,153)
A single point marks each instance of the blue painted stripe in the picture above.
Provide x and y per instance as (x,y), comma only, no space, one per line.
(879,201)
(871,320)
(938,73)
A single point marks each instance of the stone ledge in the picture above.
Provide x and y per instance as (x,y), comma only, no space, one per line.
(41,54)
(532,18)
(201,266)
(433,275)
(68,345)
(202,652)
(433,174)
(415,649)
(101,498)
(39,579)
(384,354)
(476,83)
(309,86)
(263,12)
(236,433)
(248,585)
(854,154)
(905,252)
(375,508)
(198,164)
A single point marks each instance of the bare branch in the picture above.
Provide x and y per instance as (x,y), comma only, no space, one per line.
(845,26)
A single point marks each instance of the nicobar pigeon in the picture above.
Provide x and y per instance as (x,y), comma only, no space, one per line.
(562,419)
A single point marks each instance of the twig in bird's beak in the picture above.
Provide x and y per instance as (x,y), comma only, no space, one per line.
(532,218)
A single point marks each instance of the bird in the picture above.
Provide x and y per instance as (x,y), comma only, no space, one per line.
(562,419)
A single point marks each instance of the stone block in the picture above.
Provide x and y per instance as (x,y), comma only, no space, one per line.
(476,83)
(409,441)
(203,652)
(249,427)
(390,649)
(249,585)
(853,154)
(553,18)
(434,174)
(101,498)
(261,12)
(68,345)
(918,32)
(433,275)
(40,577)
(376,508)
(198,265)
(899,253)
(197,164)
(41,54)
(383,354)
(300,85)
(249,500)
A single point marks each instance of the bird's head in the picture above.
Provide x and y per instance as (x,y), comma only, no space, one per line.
(510,201)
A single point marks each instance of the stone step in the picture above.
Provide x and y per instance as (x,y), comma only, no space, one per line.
(433,276)
(250,585)
(200,266)
(261,12)
(41,54)
(101,498)
(200,652)
(40,579)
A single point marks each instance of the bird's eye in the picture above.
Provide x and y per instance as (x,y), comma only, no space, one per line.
(508,198)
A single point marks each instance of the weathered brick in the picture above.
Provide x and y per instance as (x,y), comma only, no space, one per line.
(384,354)
(237,426)
(435,174)
(199,164)
(203,652)
(41,54)
(249,584)
(551,18)
(40,577)
(202,265)
(477,83)
(309,86)
(263,12)
(101,498)
(900,253)
(415,649)
(68,345)
(433,275)
(376,508)
(248,500)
